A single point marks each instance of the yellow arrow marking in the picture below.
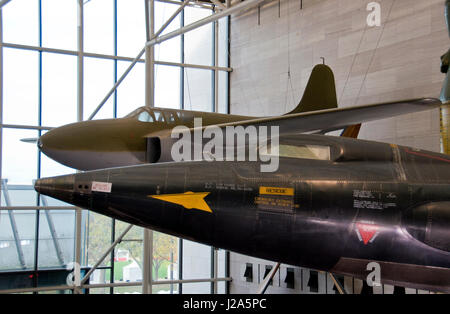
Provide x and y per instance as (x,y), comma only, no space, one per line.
(188,200)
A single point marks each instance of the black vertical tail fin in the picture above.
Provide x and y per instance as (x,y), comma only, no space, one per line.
(320,93)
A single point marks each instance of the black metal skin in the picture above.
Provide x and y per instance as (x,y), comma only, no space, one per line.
(319,227)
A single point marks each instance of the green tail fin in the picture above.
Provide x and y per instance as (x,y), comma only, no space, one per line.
(320,93)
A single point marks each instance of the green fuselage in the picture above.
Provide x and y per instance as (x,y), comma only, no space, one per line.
(109,143)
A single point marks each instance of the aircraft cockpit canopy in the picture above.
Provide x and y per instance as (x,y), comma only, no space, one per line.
(302,147)
(154,115)
(305,151)
(145,116)
(327,148)
(135,113)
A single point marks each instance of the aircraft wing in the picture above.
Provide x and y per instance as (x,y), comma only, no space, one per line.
(333,119)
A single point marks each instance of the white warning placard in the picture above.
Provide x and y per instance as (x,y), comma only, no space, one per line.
(104,187)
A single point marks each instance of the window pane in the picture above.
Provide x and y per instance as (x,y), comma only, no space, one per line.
(128,290)
(131,93)
(18,195)
(165,289)
(196,265)
(169,50)
(221,287)
(165,256)
(128,256)
(19,160)
(197,288)
(221,263)
(59,24)
(59,89)
(223,42)
(24,222)
(98,81)
(223,91)
(10,247)
(56,238)
(197,90)
(223,62)
(162,13)
(221,260)
(51,168)
(167,87)
(198,43)
(99,238)
(130,27)
(21,22)
(21,86)
(99,26)
(100,276)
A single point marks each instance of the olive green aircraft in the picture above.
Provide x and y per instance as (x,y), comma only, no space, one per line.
(144,135)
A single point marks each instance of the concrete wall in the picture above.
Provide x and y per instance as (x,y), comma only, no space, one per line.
(398,60)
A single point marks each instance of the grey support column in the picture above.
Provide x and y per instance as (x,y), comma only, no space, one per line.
(147,275)
(80,95)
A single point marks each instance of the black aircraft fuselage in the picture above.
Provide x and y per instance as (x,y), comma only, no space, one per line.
(335,204)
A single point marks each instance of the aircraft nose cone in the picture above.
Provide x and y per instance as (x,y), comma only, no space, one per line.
(60,145)
(39,144)
(61,188)
(39,185)
(44,143)
(90,145)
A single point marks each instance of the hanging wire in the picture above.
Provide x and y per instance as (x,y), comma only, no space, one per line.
(353,61)
(157,54)
(188,88)
(289,78)
(229,58)
(374,52)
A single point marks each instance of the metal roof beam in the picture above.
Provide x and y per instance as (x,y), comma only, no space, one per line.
(3,2)
(234,9)
(219,4)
